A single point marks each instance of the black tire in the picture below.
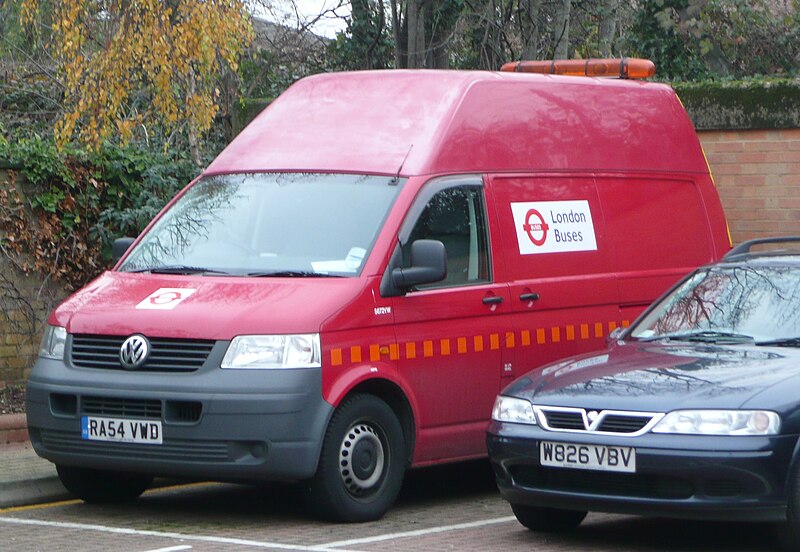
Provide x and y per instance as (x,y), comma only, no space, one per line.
(101,486)
(548,520)
(789,531)
(362,462)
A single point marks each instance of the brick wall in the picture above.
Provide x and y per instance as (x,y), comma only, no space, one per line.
(25,303)
(757,173)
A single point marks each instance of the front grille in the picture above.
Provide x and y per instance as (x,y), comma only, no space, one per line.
(174,449)
(166,355)
(565,420)
(123,408)
(623,424)
(596,421)
(602,483)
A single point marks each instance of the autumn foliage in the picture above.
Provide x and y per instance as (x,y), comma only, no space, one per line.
(135,64)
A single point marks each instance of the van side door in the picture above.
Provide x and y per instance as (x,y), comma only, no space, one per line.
(451,334)
(563,288)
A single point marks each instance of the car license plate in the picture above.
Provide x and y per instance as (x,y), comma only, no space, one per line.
(587,457)
(94,428)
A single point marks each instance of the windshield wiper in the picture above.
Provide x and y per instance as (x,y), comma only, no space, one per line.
(291,274)
(710,336)
(180,269)
(782,342)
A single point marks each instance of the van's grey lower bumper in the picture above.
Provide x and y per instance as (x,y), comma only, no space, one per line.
(233,425)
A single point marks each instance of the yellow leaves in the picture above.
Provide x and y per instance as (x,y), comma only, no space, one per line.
(171,54)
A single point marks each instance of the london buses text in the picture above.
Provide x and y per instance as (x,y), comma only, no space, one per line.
(570,217)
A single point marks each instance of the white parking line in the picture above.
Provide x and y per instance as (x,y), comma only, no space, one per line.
(416,533)
(171,549)
(176,536)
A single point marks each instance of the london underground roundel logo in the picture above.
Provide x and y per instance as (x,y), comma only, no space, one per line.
(535,227)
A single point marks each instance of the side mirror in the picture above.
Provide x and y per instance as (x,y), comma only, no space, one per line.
(615,335)
(428,265)
(119,248)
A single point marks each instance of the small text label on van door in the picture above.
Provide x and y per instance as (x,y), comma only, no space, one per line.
(554,226)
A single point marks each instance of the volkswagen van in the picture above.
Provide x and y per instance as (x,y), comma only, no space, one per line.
(345,289)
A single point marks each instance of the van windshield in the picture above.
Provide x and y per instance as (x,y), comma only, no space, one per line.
(268,224)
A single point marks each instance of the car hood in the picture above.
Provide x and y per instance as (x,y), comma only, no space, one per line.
(664,376)
(203,307)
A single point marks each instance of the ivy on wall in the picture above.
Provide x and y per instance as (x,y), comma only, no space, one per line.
(61,210)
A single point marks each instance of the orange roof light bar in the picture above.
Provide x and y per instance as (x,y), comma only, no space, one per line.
(623,68)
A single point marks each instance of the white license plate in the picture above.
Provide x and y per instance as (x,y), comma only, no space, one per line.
(94,428)
(587,457)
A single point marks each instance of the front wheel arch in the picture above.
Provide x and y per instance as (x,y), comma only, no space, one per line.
(392,395)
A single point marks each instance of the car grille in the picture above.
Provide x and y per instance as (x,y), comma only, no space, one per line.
(602,483)
(166,355)
(174,450)
(124,408)
(602,421)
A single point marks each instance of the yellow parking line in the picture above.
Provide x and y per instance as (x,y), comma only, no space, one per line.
(43,506)
(70,502)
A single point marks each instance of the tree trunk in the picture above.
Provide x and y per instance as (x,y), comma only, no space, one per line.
(416,33)
(561,30)
(529,25)
(608,26)
(398,35)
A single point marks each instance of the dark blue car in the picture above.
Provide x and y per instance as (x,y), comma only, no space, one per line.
(693,411)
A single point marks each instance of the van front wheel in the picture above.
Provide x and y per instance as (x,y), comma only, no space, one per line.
(362,462)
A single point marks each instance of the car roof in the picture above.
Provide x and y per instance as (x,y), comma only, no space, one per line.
(762,251)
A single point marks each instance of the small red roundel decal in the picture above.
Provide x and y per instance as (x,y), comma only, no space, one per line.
(536,228)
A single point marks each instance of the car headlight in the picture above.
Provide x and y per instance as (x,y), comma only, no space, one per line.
(720,422)
(509,409)
(273,351)
(53,341)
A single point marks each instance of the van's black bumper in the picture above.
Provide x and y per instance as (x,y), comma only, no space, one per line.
(228,425)
(715,478)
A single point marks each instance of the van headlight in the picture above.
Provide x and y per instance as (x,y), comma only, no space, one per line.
(510,409)
(273,351)
(53,341)
(720,422)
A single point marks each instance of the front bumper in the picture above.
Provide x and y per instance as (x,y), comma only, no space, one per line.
(227,425)
(697,477)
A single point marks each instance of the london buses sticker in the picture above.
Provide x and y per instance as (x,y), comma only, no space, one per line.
(554,226)
(165,298)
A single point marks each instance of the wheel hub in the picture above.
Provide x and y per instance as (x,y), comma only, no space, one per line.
(361,459)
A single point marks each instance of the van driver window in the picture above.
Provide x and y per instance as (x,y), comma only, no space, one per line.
(456,217)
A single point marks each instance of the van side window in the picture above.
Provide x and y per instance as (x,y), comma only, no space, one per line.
(456,217)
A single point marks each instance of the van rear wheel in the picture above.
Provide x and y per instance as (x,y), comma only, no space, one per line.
(548,520)
(102,486)
(362,462)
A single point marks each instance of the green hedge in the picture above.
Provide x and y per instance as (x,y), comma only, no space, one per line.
(735,105)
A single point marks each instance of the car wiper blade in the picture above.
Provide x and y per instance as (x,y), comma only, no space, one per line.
(179,269)
(710,336)
(290,274)
(783,342)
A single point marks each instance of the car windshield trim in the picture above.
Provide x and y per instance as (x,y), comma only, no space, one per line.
(291,274)
(782,342)
(711,336)
(180,269)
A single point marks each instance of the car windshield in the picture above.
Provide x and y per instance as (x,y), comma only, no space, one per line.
(729,304)
(268,224)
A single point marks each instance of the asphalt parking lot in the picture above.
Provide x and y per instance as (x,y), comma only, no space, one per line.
(449,508)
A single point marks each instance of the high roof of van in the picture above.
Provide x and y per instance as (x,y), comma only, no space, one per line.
(417,122)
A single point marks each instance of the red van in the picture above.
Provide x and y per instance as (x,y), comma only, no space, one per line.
(343,292)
